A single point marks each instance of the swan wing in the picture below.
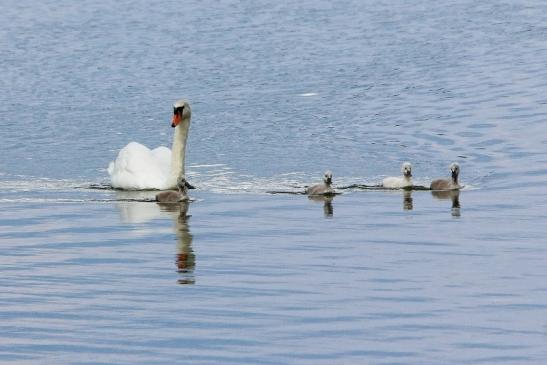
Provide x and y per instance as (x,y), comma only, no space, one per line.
(162,155)
(139,168)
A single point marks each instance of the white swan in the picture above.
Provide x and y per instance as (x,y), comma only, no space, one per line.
(448,184)
(322,189)
(398,182)
(139,168)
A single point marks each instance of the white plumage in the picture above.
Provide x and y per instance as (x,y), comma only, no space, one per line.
(398,182)
(139,168)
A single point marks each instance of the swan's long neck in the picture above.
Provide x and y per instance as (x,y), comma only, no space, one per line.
(178,152)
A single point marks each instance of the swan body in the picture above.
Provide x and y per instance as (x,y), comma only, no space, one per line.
(398,182)
(448,184)
(322,189)
(139,168)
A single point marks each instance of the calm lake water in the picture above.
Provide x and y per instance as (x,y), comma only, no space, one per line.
(280,91)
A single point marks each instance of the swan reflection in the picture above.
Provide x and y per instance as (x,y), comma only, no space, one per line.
(134,206)
(328,210)
(133,211)
(185,257)
(454,196)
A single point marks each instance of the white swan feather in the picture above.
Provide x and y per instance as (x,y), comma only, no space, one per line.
(139,168)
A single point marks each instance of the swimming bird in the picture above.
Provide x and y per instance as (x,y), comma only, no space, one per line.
(448,184)
(174,196)
(398,182)
(139,168)
(322,189)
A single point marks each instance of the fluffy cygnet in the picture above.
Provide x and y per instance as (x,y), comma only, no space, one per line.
(174,196)
(398,182)
(448,184)
(322,189)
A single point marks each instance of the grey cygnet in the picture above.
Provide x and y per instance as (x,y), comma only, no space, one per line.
(448,184)
(322,189)
(174,196)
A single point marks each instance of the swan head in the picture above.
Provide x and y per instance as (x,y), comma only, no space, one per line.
(455,170)
(327,178)
(181,111)
(406,169)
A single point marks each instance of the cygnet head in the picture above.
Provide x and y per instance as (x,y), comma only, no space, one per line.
(181,185)
(406,169)
(181,111)
(455,170)
(327,178)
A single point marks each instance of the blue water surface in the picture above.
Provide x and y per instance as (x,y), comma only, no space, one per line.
(280,91)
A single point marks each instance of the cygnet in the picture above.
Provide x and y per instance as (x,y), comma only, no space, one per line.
(448,184)
(322,189)
(398,182)
(174,196)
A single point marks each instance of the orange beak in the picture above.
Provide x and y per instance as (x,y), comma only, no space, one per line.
(176,120)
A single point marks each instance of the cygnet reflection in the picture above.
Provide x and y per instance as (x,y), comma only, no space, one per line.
(185,258)
(328,210)
(407,200)
(454,196)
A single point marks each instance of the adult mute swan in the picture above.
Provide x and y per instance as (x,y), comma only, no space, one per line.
(398,182)
(139,168)
(322,189)
(448,184)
